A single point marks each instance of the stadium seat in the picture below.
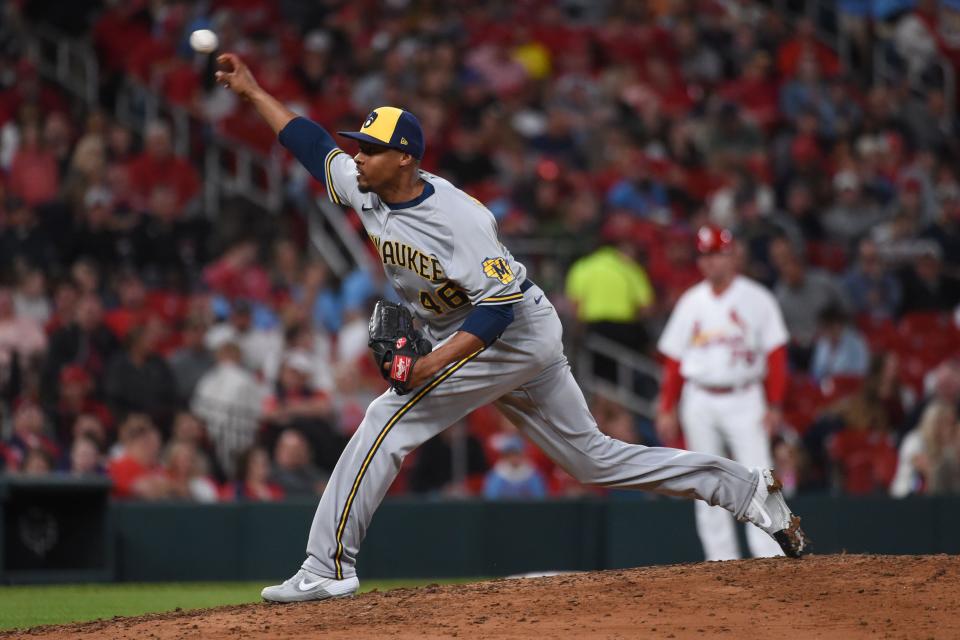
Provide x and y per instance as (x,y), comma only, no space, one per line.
(803,403)
(881,334)
(836,387)
(924,340)
(865,460)
(925,331)
(829,256)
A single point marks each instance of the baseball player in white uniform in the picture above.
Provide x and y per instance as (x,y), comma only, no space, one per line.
(725,346)
(496,339)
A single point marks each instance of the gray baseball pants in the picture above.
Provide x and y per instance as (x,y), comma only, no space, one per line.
(526,375)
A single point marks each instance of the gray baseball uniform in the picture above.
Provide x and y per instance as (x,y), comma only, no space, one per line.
(442,254)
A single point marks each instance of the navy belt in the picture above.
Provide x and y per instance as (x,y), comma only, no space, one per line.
(526,284)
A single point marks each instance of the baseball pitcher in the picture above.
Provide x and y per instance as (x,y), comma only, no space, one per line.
(725,347)
(495,337)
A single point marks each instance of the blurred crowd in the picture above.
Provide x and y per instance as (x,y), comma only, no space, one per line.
(219,360)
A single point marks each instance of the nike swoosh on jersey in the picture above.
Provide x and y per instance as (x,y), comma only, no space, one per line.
(366,208)
(537,299)
(306,586)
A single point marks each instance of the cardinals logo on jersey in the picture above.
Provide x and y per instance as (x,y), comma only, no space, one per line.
(734,336)
(735,319)
(498,269)
(696,333)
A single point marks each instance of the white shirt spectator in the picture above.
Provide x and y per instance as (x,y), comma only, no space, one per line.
(258,345)
(228,399)
(352,340)
(905,481)
(914,43)
(203,490)
(320,363)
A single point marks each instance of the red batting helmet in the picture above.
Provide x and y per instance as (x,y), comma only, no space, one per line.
(714,239)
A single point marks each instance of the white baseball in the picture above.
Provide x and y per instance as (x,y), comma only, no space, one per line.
(204,41)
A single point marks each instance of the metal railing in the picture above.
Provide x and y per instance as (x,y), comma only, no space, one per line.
(231,168)
(825,14)
(69,62)
(629,365)
(137,106)
(886,62)
(231,427)
(338,243)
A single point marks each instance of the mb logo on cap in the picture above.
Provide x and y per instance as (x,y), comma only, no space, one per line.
(391,127)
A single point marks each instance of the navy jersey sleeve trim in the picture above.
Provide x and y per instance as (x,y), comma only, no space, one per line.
(488,323)
(310,144)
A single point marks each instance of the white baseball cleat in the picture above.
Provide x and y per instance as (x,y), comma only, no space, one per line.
(769,511)
(305,586)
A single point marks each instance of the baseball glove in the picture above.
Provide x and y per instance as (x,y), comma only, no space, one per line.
(396,344)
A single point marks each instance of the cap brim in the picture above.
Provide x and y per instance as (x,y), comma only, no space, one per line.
(363,137)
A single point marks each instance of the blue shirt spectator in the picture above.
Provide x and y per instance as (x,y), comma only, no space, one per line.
(870,289)
(644,198)
(513,477)
(356,288)
(328,310)
(840,350)
(880,9)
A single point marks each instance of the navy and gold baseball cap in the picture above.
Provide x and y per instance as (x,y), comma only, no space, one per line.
(391,127)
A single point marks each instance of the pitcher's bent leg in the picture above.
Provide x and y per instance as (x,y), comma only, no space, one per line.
(392,427)
(372,458)
(552,411)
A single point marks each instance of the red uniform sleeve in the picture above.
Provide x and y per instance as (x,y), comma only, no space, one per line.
(671,385)
(776,382)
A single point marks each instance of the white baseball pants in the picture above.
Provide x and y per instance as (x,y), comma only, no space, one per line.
(714,423)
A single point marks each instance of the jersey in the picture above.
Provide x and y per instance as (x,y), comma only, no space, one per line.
(440,251)
(722,340)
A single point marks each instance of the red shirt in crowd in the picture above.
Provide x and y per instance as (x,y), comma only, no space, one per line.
(116,34)
(246,126)
(148,172)
(247,491)
(122,319)
(233,281)
(791,52)
(181,83)
(34,176)
(125,472)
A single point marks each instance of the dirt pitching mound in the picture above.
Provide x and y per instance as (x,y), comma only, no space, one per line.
(847,596)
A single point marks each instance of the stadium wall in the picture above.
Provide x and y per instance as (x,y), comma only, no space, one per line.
(426,538)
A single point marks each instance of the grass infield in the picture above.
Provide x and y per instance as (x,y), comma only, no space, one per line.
(22,607)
